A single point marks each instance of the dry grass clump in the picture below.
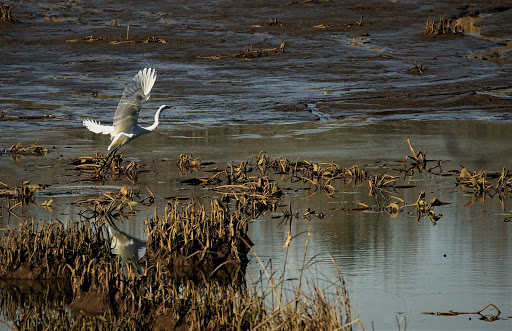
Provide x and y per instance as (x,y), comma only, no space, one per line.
(443,26)
(47,250)
(100,168)
(189,235)
(481,184)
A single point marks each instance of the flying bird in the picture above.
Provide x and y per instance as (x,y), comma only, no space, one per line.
(125,127)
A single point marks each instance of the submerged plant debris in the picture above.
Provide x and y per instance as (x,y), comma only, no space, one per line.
(483,316)
(248,53)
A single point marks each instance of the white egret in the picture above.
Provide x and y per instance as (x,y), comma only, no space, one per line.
(125,127)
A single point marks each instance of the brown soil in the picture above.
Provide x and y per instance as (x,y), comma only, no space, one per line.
(344,55)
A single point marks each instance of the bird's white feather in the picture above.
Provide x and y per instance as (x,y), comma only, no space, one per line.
(125,126)
(96,127)
(135,93)
(147,78)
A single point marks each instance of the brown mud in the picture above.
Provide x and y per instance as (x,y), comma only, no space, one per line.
(347,58)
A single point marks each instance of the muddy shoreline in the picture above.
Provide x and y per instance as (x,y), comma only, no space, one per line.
(344,66)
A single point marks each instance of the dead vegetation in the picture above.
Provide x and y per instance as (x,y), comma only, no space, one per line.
(99,168)
(443,26)
(191,275)
(481,184)
(306,2)
(483,316)
(271,22)
(187,162)
(113,294)
(7,117)
(6,14)
(18,196)
(191,235)
(248,53)
(93,38)
(427,209)
(114,204)
(34,149)
(417,69)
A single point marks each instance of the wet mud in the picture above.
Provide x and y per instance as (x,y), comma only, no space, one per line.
(251,61)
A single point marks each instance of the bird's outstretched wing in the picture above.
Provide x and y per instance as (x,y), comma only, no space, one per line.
(135,93)
(96,127)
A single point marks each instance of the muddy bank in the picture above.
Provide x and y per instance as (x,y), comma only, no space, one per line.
(348,58)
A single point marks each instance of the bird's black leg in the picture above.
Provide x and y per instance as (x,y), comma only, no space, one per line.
(109,158)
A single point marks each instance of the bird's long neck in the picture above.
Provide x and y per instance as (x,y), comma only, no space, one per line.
(157,115)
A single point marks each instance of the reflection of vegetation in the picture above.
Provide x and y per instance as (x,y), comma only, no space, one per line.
(35,305)
(49,250)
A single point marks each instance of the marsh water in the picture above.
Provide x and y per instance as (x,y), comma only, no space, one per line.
(340,92)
